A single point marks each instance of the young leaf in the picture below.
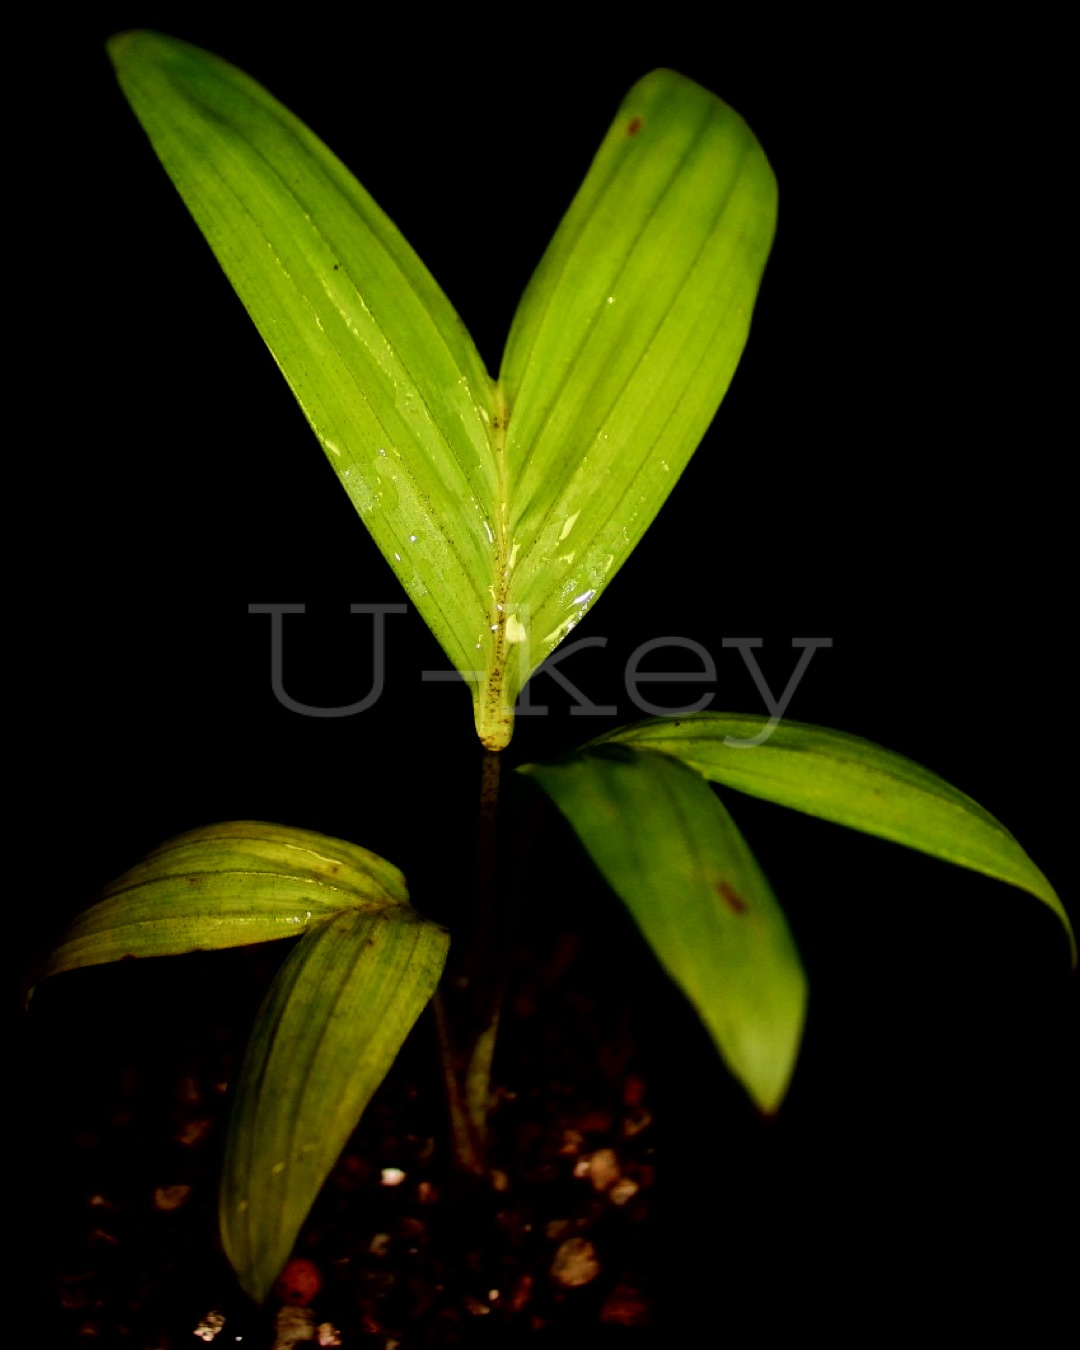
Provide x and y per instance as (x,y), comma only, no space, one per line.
(851,782)
(380,363)
(674,856)
(329,1029)
(504,509)
(225,886)
(624,344)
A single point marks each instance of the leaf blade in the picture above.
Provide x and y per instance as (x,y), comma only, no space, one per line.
(625,343)
(383,368)
(851,782)
(329,1029)
(503,508)
(671,852)
(225,885)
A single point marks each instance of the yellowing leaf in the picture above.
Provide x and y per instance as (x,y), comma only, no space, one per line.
(331,1026)
(225,885)
(334,1020)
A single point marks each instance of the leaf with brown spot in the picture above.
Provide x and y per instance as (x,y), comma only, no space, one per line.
(850,781)
(673,855)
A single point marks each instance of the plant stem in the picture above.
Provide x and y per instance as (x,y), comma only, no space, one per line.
(467,1152)
(485,916)
(468,1088)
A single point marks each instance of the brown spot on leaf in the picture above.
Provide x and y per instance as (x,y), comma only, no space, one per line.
(634,126)
(731,897)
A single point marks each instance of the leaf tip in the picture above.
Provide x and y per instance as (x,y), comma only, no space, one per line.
(120,43)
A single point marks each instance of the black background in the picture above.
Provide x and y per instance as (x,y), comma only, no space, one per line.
(887,471)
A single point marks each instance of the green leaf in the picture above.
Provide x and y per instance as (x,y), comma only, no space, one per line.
(625,342)
(226,886)
(381,365)
(332,1023)
(504,509)
(329,1029)
(849,781)
(671,852)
